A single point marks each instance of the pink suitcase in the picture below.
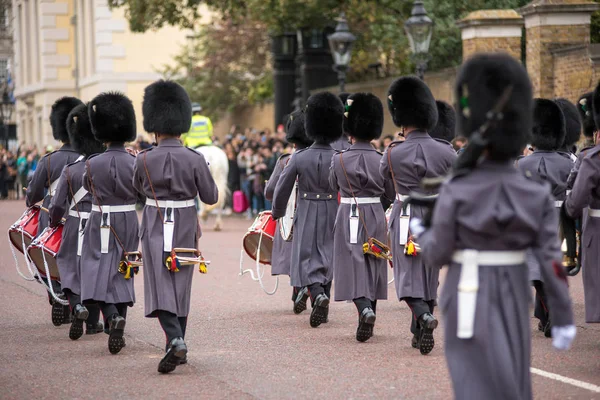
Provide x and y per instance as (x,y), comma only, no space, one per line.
(240,202)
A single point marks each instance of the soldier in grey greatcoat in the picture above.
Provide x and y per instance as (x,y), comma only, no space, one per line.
(546,163)
(312,253)
(111,231)
(282,250)
(45,180)
(483,222)
(170,176)
(586,196)
(405,164)
(355,173)
(74,203)
(342,143)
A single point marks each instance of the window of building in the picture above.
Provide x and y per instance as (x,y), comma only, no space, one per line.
(3,69)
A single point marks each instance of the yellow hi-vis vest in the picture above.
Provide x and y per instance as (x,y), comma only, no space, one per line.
(200,133)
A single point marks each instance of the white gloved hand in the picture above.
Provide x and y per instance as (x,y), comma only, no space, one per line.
(562,336)
(416,227)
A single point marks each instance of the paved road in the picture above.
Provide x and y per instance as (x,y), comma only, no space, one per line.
(244,344)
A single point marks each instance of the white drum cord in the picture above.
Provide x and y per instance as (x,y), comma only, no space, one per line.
(14,254)
(259,275)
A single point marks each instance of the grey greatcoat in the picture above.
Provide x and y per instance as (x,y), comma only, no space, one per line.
(355,274)
(417,157)
(177,173)
(586,193)
(495,208)
(554,168)
(111,173)
(282,250)
(48,168)
(312,244)
(67,259)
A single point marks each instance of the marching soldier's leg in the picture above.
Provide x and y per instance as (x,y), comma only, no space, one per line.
(327,289)
(541,309)
(116,327)
(320,304)
(176,348)
(93,324)
(366,319)
(80,315)
(183,324)
(300,298)
(422,325)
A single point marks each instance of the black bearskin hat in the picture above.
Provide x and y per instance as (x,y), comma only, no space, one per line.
(343,97)
(324,117)
(364,116)
(58,117)
(596,106)
(112,117)
(548,132)
(572,122)
(80,132)
(479,86)
(166,108)
(446,125)
(411,104)
(294,130)
(584,105)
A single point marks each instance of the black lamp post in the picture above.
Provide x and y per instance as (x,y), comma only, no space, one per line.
(419,28)
(6,110)
(340,44)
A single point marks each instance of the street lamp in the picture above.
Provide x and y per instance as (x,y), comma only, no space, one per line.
(340,44)
(419,28)
(6,110)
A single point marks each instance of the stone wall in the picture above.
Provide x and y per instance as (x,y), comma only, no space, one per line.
(576,70)
(261,116)
(510,45)
(541,41)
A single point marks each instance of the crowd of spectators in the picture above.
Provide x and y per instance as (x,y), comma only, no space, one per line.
(16,168)
(252,156)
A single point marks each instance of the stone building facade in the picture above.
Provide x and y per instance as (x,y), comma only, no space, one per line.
(80,48)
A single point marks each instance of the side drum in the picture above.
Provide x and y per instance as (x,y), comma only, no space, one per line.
(24,230)
(45,247)
(259,238)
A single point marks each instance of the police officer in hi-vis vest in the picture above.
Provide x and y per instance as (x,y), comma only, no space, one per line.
(201,131)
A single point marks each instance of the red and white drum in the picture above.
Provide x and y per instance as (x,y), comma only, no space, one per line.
(23,231)
(260,238)
(46,246)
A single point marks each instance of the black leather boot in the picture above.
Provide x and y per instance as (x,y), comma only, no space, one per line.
(176,352)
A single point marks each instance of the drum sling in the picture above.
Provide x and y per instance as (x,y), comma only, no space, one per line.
(83,216)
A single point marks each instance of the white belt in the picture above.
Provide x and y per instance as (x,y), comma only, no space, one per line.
(113,209)
(83,217)
(169,217)
(592,212)
(78,196)
(360,200)
(558,203)
(468,285)
(401,197)
(105,222)
(82,214)
(171,203)
(53,186)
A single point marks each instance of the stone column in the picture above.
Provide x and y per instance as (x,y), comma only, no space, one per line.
(491,31)
(550,25)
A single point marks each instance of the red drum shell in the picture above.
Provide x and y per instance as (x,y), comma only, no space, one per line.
(49,244)
(263,224)
(26,226)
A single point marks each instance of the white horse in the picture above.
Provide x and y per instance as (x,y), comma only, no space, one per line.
(219,169)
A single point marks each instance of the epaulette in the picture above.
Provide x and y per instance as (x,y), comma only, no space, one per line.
(565,154)
(583,150)
(145,150)
(396,142)
(443,141)
(281,157)
(49,154)
(192,150)
(76,162)
(378,152)
(94,155)
(301,150)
